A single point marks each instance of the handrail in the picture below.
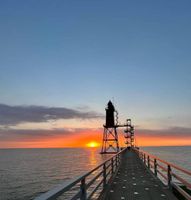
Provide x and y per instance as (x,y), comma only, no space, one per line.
(166,172)
(168,163)
(104,171)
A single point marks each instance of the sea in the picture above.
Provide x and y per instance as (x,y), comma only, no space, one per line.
(26,173)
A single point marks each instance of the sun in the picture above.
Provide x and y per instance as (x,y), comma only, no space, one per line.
(92,144)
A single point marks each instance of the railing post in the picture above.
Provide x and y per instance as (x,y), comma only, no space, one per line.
(148,160)
(104,176)
(115,163)
(112,167)
(155,167)
(144,159)
(169,177)
(83,195)
(118,159)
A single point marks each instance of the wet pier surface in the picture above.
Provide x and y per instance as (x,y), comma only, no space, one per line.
(135,182)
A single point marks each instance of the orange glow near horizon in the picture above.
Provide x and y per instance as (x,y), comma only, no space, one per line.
(163,141)
(93,138)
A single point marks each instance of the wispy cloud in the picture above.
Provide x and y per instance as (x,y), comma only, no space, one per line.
(13,115)
(168,132)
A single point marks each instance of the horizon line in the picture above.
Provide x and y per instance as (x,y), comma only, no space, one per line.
(86,147)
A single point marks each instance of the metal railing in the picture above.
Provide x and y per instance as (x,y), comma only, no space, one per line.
(89,185)
(168,171)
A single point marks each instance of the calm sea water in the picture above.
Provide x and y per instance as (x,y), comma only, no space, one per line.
(24,173)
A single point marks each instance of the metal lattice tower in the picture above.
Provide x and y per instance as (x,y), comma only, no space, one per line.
(129,134)
(110,142)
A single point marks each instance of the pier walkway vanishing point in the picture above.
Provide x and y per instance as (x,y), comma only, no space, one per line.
(130,174)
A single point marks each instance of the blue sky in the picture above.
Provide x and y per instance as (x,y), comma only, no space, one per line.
(83,53)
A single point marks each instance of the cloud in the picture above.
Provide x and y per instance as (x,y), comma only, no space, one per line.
(168,132)
(10,134)
(13,115)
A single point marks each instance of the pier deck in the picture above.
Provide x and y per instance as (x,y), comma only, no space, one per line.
(135,181)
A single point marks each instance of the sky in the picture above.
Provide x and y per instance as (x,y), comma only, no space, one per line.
(62,61)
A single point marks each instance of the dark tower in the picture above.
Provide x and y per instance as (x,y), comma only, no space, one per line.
(110,142)
(110,137)
(110,115)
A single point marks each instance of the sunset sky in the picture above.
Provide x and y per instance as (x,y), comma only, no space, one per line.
(61,61)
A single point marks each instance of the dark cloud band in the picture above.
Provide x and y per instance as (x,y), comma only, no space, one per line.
(36,134)
(12,115)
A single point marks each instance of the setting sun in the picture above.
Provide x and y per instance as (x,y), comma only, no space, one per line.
(93,144)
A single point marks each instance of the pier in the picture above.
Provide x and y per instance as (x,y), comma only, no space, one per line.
(130,174)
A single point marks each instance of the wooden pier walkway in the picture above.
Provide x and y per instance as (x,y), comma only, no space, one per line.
(135,182)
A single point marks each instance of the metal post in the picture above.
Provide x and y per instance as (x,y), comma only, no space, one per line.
(148,160)
(155,167)
(83,195)
(169,177)
(115,163)
(112,167)
(104,176)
